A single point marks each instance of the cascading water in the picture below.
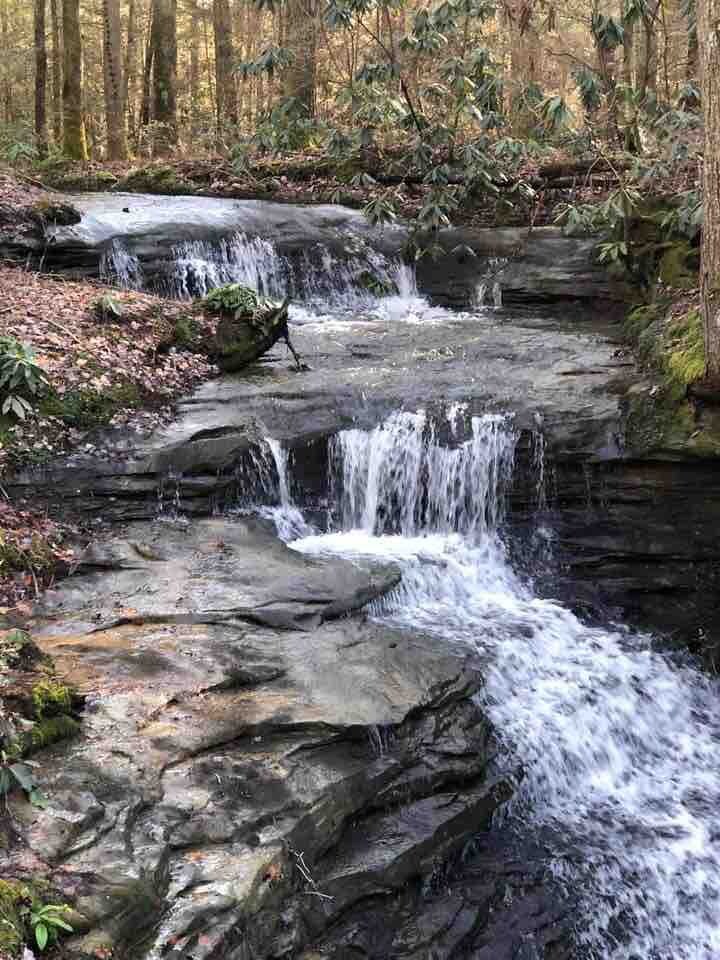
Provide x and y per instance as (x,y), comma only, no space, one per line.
(620,745)
(318,283)
(120,266)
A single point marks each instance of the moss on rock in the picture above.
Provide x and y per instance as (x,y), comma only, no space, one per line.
(668,338)
(13,896)
(51,699)
(156,178)
(678,267)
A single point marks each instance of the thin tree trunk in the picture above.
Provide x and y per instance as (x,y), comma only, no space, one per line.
(41,131)
(301,40)
(114,84)
(692,67)
(194,77)
(648,77)
(147,73)
(631,132)
(227,114)
(708,15)
(130,71)
(6,93)
(164,87)
(56,73)
(74,142)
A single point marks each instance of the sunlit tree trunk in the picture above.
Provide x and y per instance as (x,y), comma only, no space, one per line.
(147,74)
(74,142)
(164,73)
(227,114)
(114,85)
(130,71)
(692,65)
(524,64)
(648,68)
(194,77)
(5,93)
(708,25)
(301,41)
(56,73)
(41,132)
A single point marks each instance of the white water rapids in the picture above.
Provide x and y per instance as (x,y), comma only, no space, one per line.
(620,745)
(320,284)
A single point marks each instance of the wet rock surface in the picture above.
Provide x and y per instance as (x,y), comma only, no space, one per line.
(542,263)
(264,772)
(248,774)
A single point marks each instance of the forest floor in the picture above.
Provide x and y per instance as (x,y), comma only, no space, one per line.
(103,369)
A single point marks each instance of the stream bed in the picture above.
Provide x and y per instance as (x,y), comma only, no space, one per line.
(386,658)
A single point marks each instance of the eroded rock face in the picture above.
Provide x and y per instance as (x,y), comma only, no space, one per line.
(539,264)
(251,768)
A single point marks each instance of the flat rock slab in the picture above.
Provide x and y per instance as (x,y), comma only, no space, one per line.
(239,722)
(210,571)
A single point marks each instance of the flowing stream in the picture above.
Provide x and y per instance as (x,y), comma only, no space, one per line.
(620,745)
(319,283)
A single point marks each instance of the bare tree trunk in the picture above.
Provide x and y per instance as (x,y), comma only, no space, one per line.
(194,76)
(301,40)
(130,71)
(6,87)
(631,131)
(227,114)
(41,131)
(209,67)
(74,142)
(56,73)
(649,73)
(708,15)
(692,71)
(164,67)
(147,74)
(114,84)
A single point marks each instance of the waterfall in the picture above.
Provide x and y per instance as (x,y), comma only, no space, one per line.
(200,266)
(319,280)
(121,267)
(400,478)
(619,744)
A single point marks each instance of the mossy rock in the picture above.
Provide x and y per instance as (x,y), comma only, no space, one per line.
(83,179)
(52,698)
(18,651)
(84,409)
(56,212)
(157,178)
(679,266)
(14,896)
(240,340)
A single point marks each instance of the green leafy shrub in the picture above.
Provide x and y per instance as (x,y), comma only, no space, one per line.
(22,380)
(46,921)
(233,298)
(26,917)
(108,308)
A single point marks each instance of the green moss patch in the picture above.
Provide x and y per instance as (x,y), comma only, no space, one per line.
(13,897)
(156,178)
(668,338)
(85,409)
